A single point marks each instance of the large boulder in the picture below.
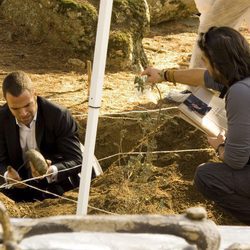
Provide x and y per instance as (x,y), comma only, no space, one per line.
(71,25)
(167,10)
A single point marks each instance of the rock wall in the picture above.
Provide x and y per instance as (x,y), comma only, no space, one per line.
(71,25)
(130,21)
(166,10)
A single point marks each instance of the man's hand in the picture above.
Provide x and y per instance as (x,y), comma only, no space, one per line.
(154,75)
(13,175)
(216,141)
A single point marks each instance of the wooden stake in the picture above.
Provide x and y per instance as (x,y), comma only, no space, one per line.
(89,70)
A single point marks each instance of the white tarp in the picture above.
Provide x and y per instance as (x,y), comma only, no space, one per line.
(126,241)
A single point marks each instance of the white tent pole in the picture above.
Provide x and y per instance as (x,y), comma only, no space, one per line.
(95,97)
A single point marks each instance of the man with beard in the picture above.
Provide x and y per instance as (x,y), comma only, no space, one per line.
(226,56)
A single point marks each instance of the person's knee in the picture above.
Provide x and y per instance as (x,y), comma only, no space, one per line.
(201,175)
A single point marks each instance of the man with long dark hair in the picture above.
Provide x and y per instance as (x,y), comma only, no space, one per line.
(226,55)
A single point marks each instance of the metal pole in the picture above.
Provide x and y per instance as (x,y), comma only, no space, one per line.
(95,96)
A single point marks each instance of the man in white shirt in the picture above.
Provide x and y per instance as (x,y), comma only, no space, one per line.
(32,122)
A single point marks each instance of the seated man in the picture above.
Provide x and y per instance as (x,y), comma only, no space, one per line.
(28,122)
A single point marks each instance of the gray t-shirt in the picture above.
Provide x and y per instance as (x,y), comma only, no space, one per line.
(237,146)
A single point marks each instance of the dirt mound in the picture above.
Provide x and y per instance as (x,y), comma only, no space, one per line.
(10,205)
(145,183)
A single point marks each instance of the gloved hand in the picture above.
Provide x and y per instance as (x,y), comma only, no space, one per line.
(51,173)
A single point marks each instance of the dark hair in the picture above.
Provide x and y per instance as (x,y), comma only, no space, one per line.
(228,51)
(15,83)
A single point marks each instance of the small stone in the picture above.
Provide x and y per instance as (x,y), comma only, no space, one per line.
(196,213)
(76,62)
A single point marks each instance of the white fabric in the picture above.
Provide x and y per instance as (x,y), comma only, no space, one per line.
(230,13)
(125,241)
(53,177)
(204,6)
(27,135)
(96,165)
(104,241)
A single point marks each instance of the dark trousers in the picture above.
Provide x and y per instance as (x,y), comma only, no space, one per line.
(30,194)
(228,187)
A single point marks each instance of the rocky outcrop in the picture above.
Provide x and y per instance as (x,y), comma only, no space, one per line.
(166,10)
(130,21)
(71,25)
